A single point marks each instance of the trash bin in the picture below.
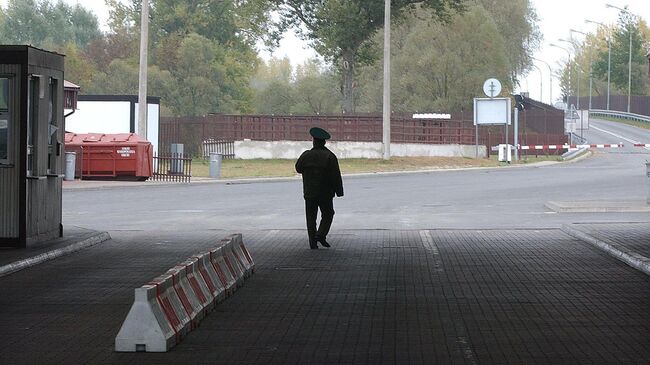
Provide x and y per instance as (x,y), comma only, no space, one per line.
(505,153)
(215,165)
(70,165)
(177,165)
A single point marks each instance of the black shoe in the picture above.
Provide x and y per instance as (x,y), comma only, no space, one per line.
(313,244)
(323,242)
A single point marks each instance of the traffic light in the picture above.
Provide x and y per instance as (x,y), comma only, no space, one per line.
(519,102)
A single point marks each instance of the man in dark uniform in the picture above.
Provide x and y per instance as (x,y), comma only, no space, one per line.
(321,179)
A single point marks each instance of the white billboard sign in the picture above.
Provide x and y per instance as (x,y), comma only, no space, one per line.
(492,111)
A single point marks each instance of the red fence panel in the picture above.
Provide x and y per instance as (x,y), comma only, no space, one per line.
(535,124)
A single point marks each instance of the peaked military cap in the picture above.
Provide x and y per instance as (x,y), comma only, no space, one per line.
(319,133)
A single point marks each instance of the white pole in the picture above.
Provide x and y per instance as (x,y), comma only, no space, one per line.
(629,72)
(609,65)
(142,91)
(516,133)
(386,109)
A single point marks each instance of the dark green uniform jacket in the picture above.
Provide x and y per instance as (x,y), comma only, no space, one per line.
(321,176)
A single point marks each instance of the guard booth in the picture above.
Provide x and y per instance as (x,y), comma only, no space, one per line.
(31,145)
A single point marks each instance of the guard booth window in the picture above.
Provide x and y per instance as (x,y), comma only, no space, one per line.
(52,150)
(5,118)
(32,126)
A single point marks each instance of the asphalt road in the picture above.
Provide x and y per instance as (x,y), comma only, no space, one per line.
(468,199)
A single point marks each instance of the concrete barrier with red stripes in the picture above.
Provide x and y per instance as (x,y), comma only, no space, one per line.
(167,308)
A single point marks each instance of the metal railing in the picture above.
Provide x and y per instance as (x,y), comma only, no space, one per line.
(225,148)
(174,167)
(619,115)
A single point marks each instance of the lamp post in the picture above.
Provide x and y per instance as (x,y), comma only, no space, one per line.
(591,78)
(629,70)
(568,67)
(550,79)
(575,46)
(386,100)
(609,56)
(142,83)
(540,81)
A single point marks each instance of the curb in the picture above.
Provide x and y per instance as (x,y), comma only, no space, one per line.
(51,255)
(258,180)
(629,257)
(604,207)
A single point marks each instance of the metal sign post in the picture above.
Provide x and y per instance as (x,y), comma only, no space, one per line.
(491,111)
(476,135)
(516,134)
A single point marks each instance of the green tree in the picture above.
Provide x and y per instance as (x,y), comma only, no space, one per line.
(78,69)
(342,30)
(516,23)
(42,23)
(201,45)
(275,70)
(439,67)
(276,98)
(209,78)
(620,56)
(316,90)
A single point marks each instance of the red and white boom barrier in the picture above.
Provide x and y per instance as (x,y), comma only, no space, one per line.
(167,308)
(546,147)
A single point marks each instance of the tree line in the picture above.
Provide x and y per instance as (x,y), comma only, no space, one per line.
(591,59)
(204,53)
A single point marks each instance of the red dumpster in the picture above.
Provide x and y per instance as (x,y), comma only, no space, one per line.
(123,155)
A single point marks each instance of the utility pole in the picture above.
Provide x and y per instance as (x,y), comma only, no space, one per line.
(609,54)
(142,89)
(569,70)
(550,80)
(386,108)
(541,76)
(629,71)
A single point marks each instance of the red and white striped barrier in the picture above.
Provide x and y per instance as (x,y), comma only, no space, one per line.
(644,145)
(567,146)
(171,305)
(542,147)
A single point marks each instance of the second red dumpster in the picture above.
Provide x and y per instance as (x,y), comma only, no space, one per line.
(123,155)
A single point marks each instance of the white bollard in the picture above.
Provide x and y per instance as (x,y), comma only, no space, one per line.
(647,175)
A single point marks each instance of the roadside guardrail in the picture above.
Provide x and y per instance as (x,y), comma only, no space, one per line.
(619,115)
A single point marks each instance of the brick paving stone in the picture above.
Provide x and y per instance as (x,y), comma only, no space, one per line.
(378,296)
(72,235)
(633,236)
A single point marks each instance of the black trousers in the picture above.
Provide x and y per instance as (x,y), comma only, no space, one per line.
(326,207)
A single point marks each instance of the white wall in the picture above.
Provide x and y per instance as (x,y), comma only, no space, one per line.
(153,121)
(111,117)
(292,149)
(100,117)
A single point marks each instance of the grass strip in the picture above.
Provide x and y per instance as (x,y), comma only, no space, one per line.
(236,169)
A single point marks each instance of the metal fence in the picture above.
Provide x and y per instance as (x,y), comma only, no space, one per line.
(176,167)
(536,126)
(225,148)
(638,104)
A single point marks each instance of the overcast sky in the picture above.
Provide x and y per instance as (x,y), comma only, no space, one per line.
(556,18)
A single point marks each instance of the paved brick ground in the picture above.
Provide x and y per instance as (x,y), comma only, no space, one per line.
(391,297)
(72,234)
(633,236)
